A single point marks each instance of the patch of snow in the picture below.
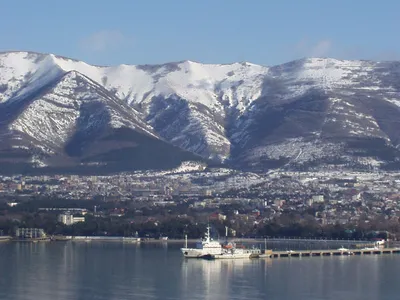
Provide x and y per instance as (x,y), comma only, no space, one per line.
(297,150)
(187,166)
(395,101)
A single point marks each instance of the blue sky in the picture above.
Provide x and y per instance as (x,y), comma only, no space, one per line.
(212,31)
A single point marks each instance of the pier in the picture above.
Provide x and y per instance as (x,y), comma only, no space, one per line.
(329,252)
(5,238)
(314,244)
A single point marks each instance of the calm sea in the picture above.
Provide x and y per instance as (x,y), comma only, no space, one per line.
(95,270)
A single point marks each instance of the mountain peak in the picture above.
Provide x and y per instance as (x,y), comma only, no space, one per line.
(244,113)
(75,75)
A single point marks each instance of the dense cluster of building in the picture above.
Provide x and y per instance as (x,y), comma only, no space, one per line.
(331,197)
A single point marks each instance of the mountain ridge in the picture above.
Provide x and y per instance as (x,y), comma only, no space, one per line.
(251,116)
(76,124)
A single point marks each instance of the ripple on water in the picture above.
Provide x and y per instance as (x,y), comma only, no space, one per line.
(100,271)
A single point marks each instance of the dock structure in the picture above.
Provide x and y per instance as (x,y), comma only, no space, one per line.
(5,238)
(330,252)
(316,240)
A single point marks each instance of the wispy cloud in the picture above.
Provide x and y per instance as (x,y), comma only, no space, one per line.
(105,40)
(318,49)
(322,48)
(327,48)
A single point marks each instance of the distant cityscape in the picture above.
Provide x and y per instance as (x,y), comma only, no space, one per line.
(143,203)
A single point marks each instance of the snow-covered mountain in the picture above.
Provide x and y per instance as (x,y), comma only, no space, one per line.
(71,123)
(307,112)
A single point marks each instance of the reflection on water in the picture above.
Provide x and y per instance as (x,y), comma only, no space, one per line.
(158,271)
(29,270)
(212,279)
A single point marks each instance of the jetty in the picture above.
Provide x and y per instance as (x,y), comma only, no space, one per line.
(5,238)
(328,252)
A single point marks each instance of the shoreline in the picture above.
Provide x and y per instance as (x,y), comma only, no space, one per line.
(121,239)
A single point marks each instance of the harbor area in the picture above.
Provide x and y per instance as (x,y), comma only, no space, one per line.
(208,248)
(277,248)
(328,252)
(5,238)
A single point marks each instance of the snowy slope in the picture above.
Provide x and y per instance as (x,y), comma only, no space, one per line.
(52,117)
(212,87)
(74,122)
(215,86)
(243,113)
(199,83)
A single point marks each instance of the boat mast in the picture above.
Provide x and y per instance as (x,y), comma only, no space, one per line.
(185,240)
(208,234)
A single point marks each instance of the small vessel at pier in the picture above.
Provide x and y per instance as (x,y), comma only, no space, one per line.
(210,249)
(60,238)
(371,248)
(345,251)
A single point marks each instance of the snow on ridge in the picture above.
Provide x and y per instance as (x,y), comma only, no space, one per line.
(51,118)
(186,167)
(15,70)
(221,88)
(393,101)
(117,120)
(323,72)
(297,149)
(46,72)
(237,84)
(204,83)
(192,81)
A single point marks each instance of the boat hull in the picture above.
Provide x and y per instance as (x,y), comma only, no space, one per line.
(196,253)
(233,256)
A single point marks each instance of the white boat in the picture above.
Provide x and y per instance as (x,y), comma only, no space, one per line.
(234,252)
(131,239)
(345,251)
(210,249)
(380,242)
(371,248)
(377,246)
(203,248)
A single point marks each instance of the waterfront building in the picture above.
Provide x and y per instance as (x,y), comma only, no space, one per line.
(69,219)
(29,233)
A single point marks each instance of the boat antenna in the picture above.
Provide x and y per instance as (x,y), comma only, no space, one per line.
(208,239)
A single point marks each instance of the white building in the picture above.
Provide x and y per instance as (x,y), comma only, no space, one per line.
(318,198)
(29,233)
(69,219)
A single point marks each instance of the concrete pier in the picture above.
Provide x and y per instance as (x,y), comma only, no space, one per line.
(331,252)
(5,238)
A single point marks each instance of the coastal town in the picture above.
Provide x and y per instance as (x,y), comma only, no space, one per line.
(159,204)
